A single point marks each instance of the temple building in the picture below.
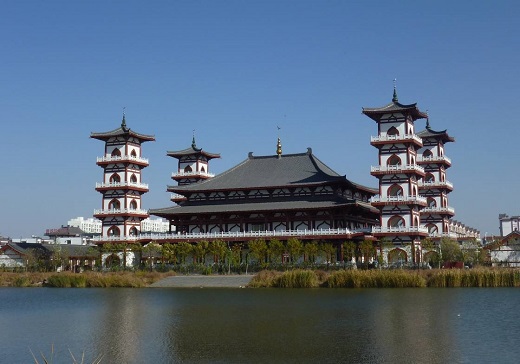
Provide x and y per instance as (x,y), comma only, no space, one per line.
(276,195)
(122,187)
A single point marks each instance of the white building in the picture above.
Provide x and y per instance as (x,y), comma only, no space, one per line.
(155,226)
(508,224)
(89,226)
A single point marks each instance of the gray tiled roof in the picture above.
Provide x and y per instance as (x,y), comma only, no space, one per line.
(271,171)
(428,133)
(122,130)
(261,206)
(192,151)
(394,106)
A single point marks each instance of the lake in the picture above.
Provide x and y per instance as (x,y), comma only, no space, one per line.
(164,325)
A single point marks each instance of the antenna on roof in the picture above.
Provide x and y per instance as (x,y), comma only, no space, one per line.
(193,144)
(394,98)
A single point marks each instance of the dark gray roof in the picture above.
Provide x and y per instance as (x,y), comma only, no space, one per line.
(257,206)
(65,231)
(429,133)
(192,150)
(122,130)
(395,106)
(271,171)
(76,250)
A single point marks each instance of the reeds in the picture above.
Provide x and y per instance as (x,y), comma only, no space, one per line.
(374,279)
(475,278)
(298,278)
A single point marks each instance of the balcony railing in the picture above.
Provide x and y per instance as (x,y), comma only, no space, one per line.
(399,229)
(122,184)
(443,235)
(433,159)
(236,234)
(399,199)
(397,168)
(439,210)
(396,138)
(122,158)
(436,184)
(192,174)
(121,211)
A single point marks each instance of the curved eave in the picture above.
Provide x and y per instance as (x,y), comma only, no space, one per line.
(394,107)
(442,135)
(191,151)
(122,132)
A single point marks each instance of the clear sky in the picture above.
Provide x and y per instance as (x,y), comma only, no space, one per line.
(234,71)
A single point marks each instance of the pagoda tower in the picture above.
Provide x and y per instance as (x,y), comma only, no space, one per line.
(434,186)
(122,187)
(399,174)
(192,167)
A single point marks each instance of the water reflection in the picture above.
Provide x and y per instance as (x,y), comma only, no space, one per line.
(262,325)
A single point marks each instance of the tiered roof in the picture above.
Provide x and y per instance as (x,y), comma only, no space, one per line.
(395,106)
(122,131)
(430,133)
(192,150)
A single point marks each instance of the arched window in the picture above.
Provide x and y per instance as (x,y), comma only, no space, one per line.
(115,178)
(202,169)
(187,169)
(133,205)
(116,153)
(396,222)
(432,229)
(114,231)
(133,231)
(395,190)
(133,178)
(392,131)
(114,205)
(427,153)
(429,178)
(431,202)
(394,161)
(133,153)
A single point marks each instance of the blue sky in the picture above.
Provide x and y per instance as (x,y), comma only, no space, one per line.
(234,71)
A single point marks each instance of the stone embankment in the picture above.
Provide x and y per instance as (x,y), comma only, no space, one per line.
(201,281)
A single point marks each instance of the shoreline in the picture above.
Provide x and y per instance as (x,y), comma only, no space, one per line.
(296,278)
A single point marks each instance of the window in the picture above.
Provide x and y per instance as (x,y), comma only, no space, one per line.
(392,131)
(187,169)
(394,161)
(115,178)
(114,231)
(431,202)
(133,205)
(116,153)
(396,222)
(429,178)
(133,231)
(427,153)
(133,179)
(395,190)
(133,153)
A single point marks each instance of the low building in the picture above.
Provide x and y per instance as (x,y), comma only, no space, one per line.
(505,252)
(88,226)
(68,235)
(20,255)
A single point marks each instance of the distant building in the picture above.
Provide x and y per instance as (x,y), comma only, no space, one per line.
(508,224)
(88,226)
(69,235)
(505,252)
(149,225)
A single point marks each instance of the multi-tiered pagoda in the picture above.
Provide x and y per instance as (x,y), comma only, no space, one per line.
(122,187)
(399,175)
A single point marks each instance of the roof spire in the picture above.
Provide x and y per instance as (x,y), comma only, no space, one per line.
(193,144)
(427,120)
(123,122)
(394,98)
(279,148)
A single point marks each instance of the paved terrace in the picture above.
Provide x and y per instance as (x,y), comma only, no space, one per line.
(199,281)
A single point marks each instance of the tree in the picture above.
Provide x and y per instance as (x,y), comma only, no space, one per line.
(199,252)
(169,253)
(451,251)
(258,250)
(329,251)
(183,249)
(367,250)
(349,250)
(311,250)
(150,251)
(276,249)
(294,248)
(218,249)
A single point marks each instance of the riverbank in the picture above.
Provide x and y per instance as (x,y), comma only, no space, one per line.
(298,278)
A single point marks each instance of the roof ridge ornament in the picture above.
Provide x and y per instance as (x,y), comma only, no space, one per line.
(123,122)
(427,120)
(394,98)
(193,144)
(279,148)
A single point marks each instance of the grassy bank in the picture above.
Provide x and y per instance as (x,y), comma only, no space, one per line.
(481,277)
(87,279)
